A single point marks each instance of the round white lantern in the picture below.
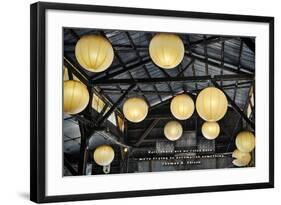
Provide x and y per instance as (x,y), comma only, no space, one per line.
(103,155)
(94,53)
(245,141)
(182,107)
(135,109)
(211,104)
(241,159)
(210,130)
(173,130)
(166,50)
(75,97)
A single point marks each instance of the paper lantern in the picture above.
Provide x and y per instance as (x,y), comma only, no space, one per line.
(173,130)
(135,109)
(66,77)
(103,155)
(182,107)
(210,130)
(75,97)
(245,141)
(65,74)
(94,53)
(211,104)
(241,159)
(166,50)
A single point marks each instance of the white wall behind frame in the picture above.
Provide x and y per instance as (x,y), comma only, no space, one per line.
(14,176)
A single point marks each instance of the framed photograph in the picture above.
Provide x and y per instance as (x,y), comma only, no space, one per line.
(129,102)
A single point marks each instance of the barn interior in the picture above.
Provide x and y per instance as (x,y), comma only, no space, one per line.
(224,62)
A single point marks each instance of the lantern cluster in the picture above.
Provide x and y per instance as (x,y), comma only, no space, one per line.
(245,143)
(211,106)
(182,108)
(95,54)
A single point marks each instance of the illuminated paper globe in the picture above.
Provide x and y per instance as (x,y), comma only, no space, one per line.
(75,97)
(245,141)
(166,50)
(103,155)
(211,104)
(135,109)
(94,53)
(241,159)
(210,130)
(65,74)
(66,77)
(182,107)
(173,130)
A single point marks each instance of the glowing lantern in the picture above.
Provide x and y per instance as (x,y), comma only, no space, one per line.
(135,109)
(182,107)
(241,159)
(103,155)
(94,53)
(75,97)
(210,130)
(66,77)
(211,104)
(166,50)
(173,130)
(65,74)
(245,141)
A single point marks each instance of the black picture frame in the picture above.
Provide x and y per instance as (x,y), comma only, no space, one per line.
(38,103)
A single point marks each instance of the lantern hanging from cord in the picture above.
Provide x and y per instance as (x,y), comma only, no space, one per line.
(94,53)
(173,130)
(75,97)
(241,159)
(166,50)
(135,109)
(245,141)
(182,107)
(103,156)
(211,104)
(210,130)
